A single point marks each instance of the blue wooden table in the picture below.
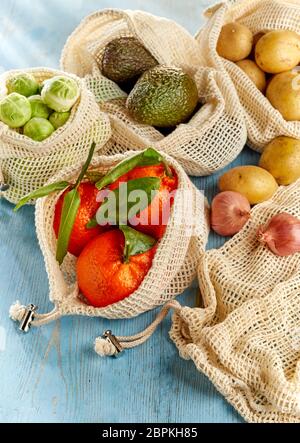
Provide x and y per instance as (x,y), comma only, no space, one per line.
(52,374)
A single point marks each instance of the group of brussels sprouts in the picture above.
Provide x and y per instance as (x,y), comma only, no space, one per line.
(37,110)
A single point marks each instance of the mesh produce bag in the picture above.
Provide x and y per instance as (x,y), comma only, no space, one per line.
(263,121)
(246,337)
(26,165)
(173,268)
(212,138)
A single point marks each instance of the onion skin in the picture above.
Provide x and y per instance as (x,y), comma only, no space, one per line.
(229,213)
(281,234)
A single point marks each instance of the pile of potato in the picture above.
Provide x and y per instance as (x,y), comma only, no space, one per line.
(270,60)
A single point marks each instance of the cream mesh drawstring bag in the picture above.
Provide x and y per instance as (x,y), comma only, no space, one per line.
(174,265)
(264,122)
(26,165)
(245,337)
(212,138)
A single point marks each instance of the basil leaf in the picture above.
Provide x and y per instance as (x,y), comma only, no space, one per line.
(68,215)
(145,158)
(136,242)
(117,205)
(86,165)
(42,192)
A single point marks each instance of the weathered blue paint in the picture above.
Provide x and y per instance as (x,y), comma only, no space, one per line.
(52,374)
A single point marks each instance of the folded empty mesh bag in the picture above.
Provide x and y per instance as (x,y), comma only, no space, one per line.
(26,165)
(214,135)
(263,121)
(174,265)
(246,337)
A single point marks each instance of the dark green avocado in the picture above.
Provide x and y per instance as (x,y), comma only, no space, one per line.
(125,59)
(163,97)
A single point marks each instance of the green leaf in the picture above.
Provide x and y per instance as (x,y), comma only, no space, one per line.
(150,157)
(168,170)
(93,176)
(145,158)
(69,211)
(135,242)
(119,198)
(42,192)
(60,186)
(86,165)
(68,215)
(92,223)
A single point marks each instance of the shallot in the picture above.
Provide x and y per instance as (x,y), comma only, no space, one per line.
(281,234)
(229,213)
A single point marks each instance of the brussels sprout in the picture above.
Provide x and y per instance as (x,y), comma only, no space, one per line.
(38,107)
(24,84)
(60,93)
(38,129)
(15,110)
(58,119)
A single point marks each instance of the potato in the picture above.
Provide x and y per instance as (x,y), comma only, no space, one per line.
(278,51)
(254,73)
(256,37)
(281,157)
(283,92)
(235,42)
(255,183)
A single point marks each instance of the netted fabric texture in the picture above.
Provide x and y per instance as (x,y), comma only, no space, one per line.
(263,121)
(216,133)
(27,165)
(174,265)
(246,337)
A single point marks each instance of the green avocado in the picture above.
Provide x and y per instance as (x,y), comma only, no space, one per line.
(163,97)
(125,59)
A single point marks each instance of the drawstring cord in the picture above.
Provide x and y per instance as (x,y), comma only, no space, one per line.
(109,345)
(27,316)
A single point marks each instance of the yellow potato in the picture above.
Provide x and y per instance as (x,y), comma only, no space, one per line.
(254,73)
(278,51)
(256,37)
(255,183)
(235,42)
(283,92)
(281,158)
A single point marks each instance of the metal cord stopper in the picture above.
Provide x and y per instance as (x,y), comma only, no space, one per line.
(28,317)
(4,187)
(114,341)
